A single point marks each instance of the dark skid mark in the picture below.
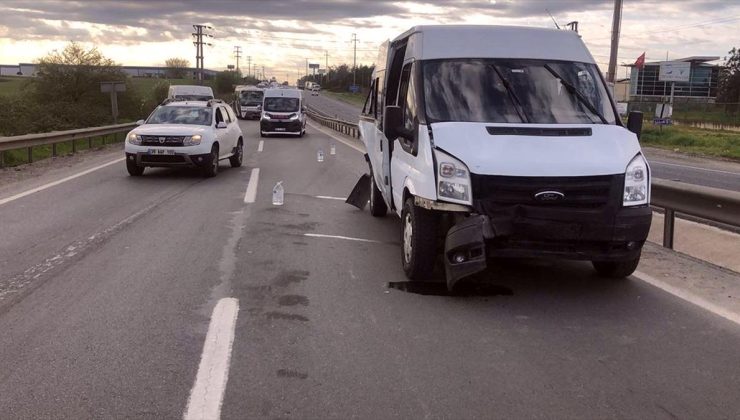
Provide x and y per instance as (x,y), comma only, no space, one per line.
(287,317)
(290,373)
(300,243)
(461,290)
(304,227)
(292,300)
(286,278)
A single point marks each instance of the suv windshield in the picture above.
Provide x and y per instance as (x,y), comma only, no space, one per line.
(487,90)
(181,115)
(251,97)
(281,104)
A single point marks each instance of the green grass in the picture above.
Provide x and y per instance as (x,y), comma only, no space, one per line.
(715,143)
(356,99)
(20,156)
(11,84)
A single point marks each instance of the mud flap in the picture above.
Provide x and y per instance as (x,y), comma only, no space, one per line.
(465,248)
(360,194)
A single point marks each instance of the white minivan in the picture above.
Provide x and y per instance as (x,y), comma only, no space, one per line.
(494,141)
(190,93)
(283,112)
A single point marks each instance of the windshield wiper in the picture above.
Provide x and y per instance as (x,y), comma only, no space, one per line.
(575,92)
(512,95)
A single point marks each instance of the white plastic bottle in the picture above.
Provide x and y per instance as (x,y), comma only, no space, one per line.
(278,194)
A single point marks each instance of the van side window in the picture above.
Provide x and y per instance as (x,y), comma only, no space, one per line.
(407,98)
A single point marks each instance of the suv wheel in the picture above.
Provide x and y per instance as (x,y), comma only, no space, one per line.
(616,269)
(378,208)
(134,169)
(211,168)
(419,241)
(238,156)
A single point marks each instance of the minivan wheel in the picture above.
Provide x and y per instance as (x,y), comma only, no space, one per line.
(418,239)
(211,168)
(238,156)
(134,169)
(378,208)
(616,269)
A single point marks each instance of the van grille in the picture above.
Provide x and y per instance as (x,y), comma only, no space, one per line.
(578,192)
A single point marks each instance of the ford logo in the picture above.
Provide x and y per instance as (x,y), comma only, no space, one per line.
(549,196)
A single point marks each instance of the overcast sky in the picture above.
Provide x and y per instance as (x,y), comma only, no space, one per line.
(281,35)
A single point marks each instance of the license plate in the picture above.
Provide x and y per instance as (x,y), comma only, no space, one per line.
(280,129)
(160,152)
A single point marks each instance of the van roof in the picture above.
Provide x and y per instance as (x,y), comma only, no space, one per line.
(191,88)
(284,92)
(429,42)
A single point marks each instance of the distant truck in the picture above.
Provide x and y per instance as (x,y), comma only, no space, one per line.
(501,142)
(248,101)
(190,93)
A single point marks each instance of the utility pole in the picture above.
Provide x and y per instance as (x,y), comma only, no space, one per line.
(249,65)
(263,72)
(354,60)
(199,43)
(307,69)
(238,55)
(326,66)
(616,25)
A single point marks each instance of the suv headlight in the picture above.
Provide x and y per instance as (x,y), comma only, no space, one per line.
(454,179)
(636,182)
(192,140)
(134,138)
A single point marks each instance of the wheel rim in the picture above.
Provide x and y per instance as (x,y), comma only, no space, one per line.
(239,152)
(408,232)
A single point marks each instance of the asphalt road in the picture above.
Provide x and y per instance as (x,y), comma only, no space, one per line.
(108,283)
(665,165)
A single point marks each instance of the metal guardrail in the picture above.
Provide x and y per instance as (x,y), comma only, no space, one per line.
(344,127)
(29,141)
(713,204)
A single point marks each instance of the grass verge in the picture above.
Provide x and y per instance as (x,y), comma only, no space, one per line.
(356,99)
(714,143)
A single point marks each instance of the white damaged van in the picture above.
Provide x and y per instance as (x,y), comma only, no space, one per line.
(494,141)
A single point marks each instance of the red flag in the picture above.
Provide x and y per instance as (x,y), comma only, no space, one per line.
(640,63)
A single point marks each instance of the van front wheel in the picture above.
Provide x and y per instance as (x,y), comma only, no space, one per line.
(419,241)
(616,269)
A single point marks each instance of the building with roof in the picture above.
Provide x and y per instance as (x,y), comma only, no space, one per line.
(701,87)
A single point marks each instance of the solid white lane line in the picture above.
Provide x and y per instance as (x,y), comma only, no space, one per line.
(261,145)
(346,238)
(339,139)
(213,372)
(59,181)
(694,167)
(251,194)
(689,297)
(326,197)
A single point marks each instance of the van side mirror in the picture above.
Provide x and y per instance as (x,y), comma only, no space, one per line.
(393,122)
(303,108)
(634,123)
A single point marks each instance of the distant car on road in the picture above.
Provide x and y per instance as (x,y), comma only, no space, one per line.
(190,93)
(189,133)
(315,90)
(248,101)
(283,113)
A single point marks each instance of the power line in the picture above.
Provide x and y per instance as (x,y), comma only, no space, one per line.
(199,43)
(238,55)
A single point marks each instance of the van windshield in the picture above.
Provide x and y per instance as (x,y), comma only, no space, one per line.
(251,97)
(515,91)
(281,104)
(180,115)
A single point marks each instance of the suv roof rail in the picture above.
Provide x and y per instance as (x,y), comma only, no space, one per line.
(216,100)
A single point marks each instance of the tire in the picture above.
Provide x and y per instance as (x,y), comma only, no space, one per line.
(378,208)
(302,133)
(418,241)
(236,159)
(262,134)
(616,269)
(134,169)
(211,169)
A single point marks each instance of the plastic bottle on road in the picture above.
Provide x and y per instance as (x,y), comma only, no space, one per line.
(278,194)
(320,155)
(333,150)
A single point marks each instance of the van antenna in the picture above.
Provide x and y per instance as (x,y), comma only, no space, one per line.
(553,19)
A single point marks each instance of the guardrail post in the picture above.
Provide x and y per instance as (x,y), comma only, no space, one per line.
(668,225)
(53,150)
(89,142)
(2,158)
(74,146)
(30,155)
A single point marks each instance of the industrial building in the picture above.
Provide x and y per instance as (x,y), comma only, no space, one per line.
(701,87)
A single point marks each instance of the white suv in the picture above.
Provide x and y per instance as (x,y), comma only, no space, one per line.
(190,133)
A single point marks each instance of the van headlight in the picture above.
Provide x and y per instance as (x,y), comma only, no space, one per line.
(192,140)
(293,117)
(454,179)
(134,138)
(636,182)
(266,116)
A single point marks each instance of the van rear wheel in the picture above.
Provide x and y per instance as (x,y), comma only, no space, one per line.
(616,269)
(419,241)
(378,208)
